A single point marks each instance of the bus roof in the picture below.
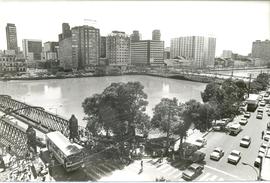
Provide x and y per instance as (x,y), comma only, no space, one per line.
(253,97)
(63,143)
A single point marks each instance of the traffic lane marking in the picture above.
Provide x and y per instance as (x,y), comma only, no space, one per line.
(225,173)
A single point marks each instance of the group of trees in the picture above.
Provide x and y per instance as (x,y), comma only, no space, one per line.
(260,83)
(119,111)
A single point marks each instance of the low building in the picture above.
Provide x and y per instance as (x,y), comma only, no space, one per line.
(10,64)
(179,62)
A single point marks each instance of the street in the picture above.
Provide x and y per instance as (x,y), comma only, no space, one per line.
(227,171)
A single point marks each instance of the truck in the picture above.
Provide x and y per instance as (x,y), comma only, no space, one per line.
(252,102)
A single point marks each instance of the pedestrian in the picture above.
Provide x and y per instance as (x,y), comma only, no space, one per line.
(141,165)
(262,134)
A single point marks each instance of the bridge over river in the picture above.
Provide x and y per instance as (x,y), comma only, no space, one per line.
(14,135)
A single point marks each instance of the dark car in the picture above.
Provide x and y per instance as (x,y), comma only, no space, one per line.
(268,126)
(193,171)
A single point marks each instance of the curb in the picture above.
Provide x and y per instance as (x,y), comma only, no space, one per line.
(206,133)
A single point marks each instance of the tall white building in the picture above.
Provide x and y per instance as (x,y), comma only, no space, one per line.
(227,54)
(199,50)
(118,48)
(32,49)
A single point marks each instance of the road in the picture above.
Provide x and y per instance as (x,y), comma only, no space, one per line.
(227,171)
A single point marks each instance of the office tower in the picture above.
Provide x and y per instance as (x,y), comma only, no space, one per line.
(261,50)
(102,47)
(118,48)
(227,54)
(147,52)
(156,35)
(135,36)
(199,50)
(11,35)
(66,32)
(85,46)
(50,52)
(32,49)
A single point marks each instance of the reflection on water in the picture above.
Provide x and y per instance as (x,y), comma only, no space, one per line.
(65,97)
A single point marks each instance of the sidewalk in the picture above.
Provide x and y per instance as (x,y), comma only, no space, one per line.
(152,169)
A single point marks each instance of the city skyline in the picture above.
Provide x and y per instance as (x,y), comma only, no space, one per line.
(235,25)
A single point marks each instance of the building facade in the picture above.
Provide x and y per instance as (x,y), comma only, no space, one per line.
(10,64)
(135,36)
(32,49)
(261,50)
(199,50)
(102,47)
(156,35)
(227,54)
(65,55)
(147,52)
(85,46)
(11,35)
(50,50)
(118,49)
(66,32)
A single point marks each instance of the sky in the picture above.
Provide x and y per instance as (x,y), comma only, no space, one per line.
(235,25)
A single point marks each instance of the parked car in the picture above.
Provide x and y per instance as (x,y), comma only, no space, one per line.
(243,121)
(217,154)
(192,171)
(266,94)
(234,128)
(257,162)
(262,103)
(268,126)
(200,142)
(245,141)
(234,157)
(267,136)
(263,147)
(219,125)
(259,115)
(247,114)
(260,110)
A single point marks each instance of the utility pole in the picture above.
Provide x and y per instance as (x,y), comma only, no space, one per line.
(249,84)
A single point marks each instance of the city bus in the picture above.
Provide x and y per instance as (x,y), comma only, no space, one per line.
(252,102)
(69,155)
(265,165)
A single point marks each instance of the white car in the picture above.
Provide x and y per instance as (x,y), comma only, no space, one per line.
(234,128)
(260,109)
(263,147)
(262,103)
(245,141)
(259,115)
(217,154)
(257,162)
(267,136)
(247,114)
(200,142)
(243,121)
(234,157)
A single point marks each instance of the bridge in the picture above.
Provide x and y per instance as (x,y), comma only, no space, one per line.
(14,135)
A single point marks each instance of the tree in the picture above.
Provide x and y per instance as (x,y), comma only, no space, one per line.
(260,83)
(165,117)
(119,109)
(73,127)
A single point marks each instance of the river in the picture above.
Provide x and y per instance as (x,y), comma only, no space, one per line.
(65,96)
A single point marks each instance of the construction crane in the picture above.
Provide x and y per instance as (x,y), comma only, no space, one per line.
(89,22)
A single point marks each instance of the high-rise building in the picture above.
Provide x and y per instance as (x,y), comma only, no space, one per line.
(11,35)
(199,50)
(167,53)
(261,50)
(102,47)
(65,54)
(66,32)
(118,48)
(85,46)
(227,54)
(156,35)
(50,52)
(32,49)
(147,52)
(135,36)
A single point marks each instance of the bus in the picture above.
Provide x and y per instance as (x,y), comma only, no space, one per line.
(265,165)
(69,155)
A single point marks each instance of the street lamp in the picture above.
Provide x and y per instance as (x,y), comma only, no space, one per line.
(257,174)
